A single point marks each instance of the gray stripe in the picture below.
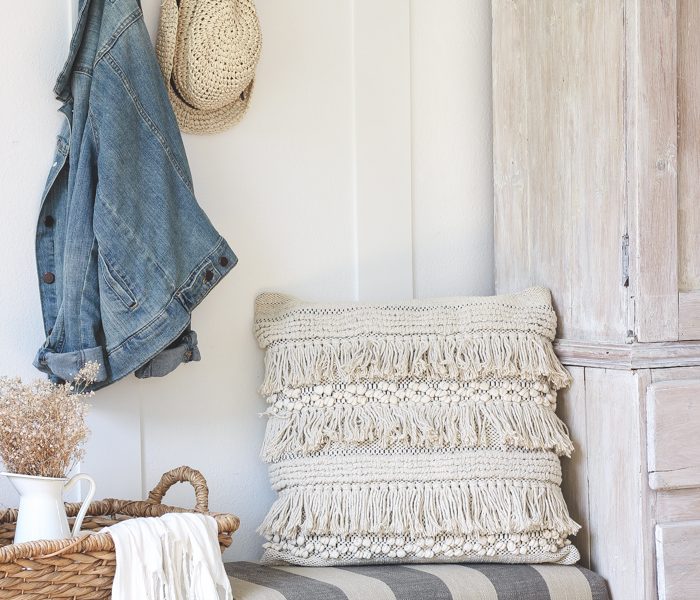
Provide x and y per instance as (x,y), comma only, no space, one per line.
(515,582)
(599,587)
(290,585)
(406,583)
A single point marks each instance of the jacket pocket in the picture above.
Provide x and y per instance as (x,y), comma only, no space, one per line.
(117,284)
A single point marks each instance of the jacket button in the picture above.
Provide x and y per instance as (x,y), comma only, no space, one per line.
(49,221)
(49,278)
(208,275)
(223,261)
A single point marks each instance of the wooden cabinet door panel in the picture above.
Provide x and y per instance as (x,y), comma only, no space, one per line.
(677,560)
(673,434)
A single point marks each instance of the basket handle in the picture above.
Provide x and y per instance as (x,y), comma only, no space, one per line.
(181,475)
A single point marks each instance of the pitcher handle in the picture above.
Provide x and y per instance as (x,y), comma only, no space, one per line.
(86,503)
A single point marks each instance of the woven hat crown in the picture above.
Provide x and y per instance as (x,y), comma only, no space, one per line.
(219,45)
(208,51)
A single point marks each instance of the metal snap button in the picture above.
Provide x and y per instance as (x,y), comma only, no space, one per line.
(49,221)
(49,278)
(208,275)
(223,261)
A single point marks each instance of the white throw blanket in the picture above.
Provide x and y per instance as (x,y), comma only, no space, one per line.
(174,557)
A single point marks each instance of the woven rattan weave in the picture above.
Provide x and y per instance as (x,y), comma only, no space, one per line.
(83,568)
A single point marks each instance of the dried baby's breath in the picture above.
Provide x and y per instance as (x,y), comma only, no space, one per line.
(42,425)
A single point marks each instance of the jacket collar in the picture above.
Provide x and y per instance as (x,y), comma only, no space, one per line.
(62,83)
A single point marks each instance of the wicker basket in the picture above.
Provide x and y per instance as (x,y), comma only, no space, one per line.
(83,568)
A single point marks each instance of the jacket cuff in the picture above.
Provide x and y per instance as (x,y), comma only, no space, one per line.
(182,350)
(64,366)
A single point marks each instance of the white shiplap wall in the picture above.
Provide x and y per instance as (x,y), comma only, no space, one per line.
(362,171)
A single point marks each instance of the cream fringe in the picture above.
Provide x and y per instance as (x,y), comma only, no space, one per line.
(471,507)
(522,355)
(433,425)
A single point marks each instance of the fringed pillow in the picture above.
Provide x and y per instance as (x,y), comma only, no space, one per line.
(422,431)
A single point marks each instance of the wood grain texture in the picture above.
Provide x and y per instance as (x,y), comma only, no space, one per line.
(689,313)
(673,420)
(585,151)
(652,146)
(688,154)
(660,355)
(559,158)
(510,144)
(571,408)
(616,478)
(678,505)
(677,552)
(675,373)
(647,498)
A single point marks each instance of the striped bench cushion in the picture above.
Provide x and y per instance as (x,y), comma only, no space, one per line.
(251,581)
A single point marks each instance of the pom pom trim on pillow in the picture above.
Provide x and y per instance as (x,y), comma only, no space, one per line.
(422,431)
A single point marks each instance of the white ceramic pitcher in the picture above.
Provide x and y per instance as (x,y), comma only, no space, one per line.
(42,514)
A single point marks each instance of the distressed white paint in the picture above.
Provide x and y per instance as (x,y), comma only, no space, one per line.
(360,172)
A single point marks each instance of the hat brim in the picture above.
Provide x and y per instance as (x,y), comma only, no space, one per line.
(194,120)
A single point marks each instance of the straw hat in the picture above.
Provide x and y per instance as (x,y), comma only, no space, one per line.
(207,50)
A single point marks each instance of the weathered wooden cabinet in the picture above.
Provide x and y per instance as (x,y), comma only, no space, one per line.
(596,124)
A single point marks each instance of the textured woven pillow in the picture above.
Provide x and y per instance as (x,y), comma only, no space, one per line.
(423,431)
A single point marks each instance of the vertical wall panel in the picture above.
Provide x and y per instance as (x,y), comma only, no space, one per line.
(36,37)
(114,453)
(451,141)
(37,42)
(382,136)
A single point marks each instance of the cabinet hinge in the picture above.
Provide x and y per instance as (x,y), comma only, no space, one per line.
(626,260)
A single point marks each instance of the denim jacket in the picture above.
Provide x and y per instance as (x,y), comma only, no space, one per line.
(124,252)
